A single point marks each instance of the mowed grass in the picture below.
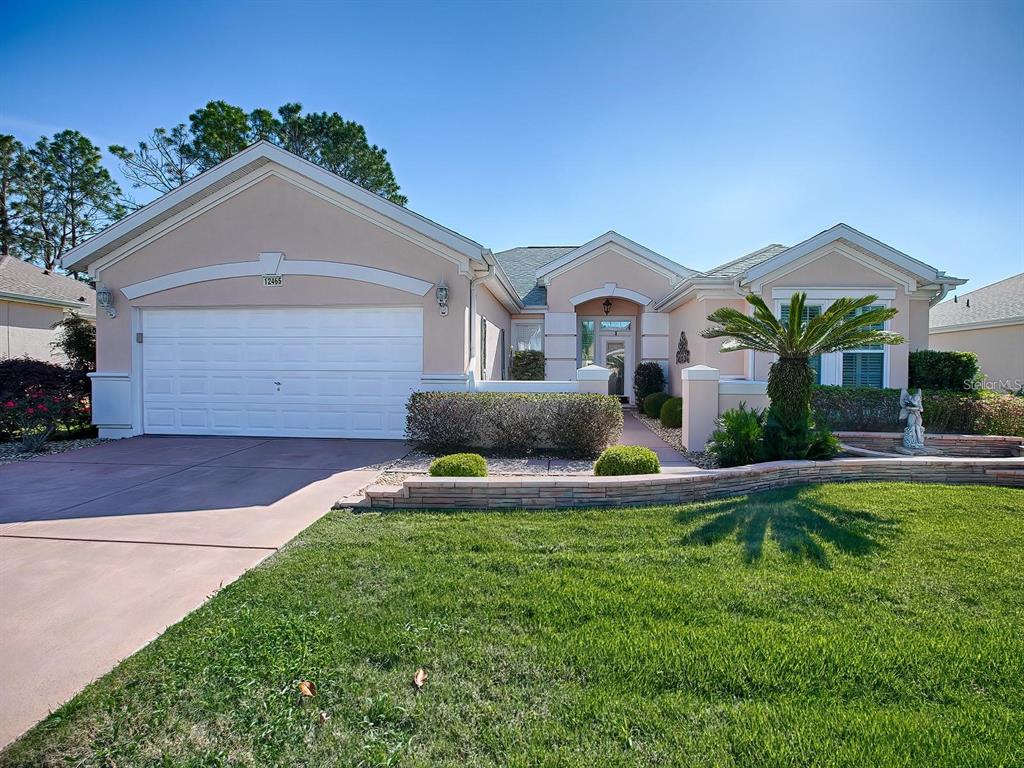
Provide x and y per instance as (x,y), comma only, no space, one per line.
(868,624)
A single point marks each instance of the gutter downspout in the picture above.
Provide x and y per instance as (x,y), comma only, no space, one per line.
(943,290)
(473,283)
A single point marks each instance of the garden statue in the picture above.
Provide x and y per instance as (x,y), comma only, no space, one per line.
(911,409)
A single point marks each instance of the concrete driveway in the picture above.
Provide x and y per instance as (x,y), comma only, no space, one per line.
(103,548)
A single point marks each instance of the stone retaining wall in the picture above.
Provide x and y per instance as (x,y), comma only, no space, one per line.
(950,445)
(588,491)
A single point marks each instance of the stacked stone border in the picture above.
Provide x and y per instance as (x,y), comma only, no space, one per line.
(979,446)
(587,491)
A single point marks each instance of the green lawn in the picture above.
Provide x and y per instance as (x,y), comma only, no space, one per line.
(869,624)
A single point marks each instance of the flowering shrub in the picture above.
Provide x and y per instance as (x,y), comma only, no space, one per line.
(38,398)
(37,413)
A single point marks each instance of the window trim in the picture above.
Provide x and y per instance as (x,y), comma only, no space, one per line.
(539,322)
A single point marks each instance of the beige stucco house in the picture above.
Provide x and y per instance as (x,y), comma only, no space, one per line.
(32,301)
(989,322)
(270,297)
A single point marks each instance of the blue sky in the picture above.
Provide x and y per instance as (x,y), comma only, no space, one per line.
(701,131)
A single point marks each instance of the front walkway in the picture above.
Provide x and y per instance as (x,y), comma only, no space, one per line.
(103,548)
(635,433)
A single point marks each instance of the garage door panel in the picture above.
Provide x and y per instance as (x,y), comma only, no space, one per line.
(327,372)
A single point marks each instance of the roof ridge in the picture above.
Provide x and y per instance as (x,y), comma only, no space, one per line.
(741,258)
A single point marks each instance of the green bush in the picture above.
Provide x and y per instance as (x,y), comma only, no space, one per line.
(866,409)
(934,369)
(459,465)
(671,414)
(737,438)
(648,378)
(527,365)
(627,460)
(572,424)
(653,402)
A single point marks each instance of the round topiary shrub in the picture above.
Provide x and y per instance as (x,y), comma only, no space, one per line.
(672,413)
(459,465)
(647,379)
(652,404)
(627,460)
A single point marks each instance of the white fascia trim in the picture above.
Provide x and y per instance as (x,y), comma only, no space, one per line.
(888,294)
(843,231)
(639,253)
(510,299)
(694,286)
(611,289)
(294,163)
(977,326)
(781,270)
(255,268)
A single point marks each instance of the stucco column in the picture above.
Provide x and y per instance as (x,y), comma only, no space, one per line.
(593,379)
(654,341)
(700,405)
(559,346)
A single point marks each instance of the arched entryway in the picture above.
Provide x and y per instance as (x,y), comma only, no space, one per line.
(608,334)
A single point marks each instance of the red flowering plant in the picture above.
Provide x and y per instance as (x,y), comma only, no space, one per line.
(37,413)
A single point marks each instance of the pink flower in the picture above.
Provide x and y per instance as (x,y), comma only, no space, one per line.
(30,410)
(9,404)
(41,408)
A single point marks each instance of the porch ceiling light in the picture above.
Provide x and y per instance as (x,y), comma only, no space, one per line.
(607,306)
(106,299)
(441,291)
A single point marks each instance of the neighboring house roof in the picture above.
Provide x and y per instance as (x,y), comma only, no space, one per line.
(521,264)
(23,281)
(235,168)
(1000,303)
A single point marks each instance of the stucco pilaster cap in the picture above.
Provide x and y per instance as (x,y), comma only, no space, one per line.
(699,373)
(593,373)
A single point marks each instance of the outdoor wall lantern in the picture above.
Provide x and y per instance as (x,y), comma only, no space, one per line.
(441,290)
(106,299)
(607,306)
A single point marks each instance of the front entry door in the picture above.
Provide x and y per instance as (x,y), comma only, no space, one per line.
(617,356)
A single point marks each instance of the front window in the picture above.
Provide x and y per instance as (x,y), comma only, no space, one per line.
(527,336)
(865,367)
(613,326)
(586,343)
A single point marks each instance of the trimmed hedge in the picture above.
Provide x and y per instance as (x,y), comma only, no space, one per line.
(527,365)
(866,409)
(627,460)
(648,378)
(672,413)
(653,402)
(934,369)
(459,465)
(576,425)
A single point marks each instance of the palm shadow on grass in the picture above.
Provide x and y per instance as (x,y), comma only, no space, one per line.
(794,518)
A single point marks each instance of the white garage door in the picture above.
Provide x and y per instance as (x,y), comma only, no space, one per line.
(317,372)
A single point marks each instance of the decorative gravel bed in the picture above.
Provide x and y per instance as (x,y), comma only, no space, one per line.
(673,438)
(417,463)
(9,452)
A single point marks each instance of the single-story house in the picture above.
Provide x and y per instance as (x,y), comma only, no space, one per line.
(32,301)
(268,296)
(990,323)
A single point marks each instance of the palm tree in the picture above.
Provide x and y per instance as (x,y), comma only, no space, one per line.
(847,324)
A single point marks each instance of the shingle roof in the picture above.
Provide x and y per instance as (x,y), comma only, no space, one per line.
(521,265)
(1000,301)
(743,263)
(25,279)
